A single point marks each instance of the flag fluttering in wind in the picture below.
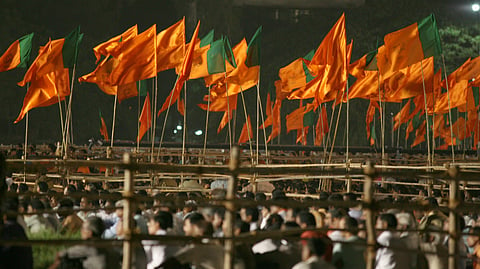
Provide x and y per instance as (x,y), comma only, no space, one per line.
(103,127)
(145,118)
(136,59)
(300,118)
(409,45)
(184,73)
(171,46)
(107,47)
(18,54)
(48,73)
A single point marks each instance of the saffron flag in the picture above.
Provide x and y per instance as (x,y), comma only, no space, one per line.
(45,90)
(184,73)
(300,118)
(247,132)
(409,45)
(369,119)
(145,118)
(56,55)
(321,129)
(295,75)
(136,59)
(18,54)
(103,127)
(276,120)
(171,46)
(107,47)
(402,116)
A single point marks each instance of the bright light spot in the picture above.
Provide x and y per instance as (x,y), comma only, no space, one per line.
(475,7)
(198,132)
(179,127)
(175,131)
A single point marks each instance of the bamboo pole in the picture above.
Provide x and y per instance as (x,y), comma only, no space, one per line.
(427,124)
(165,121)
(152,159)
(113,119)
(184,136)
(449,108)
(68,116)
(369,215)
(348,124)
(231,209)
(206,127)
(453,220)
(138,117)
(248,127)
(127,214)
(228,110)
(263,122)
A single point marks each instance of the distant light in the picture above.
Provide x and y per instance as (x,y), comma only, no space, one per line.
(179,127)
(198,132)
(175,131)
(475,7)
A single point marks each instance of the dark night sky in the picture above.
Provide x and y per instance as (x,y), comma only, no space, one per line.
(288,34)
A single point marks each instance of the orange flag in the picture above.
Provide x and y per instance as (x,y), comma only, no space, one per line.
(302,136)
(247,132)
(409,82)
(227,116)
(220,103)
(365,87)
(181,106)
(460,129)
(103,128)
(322,126)
(109,46)
(184,73)
(276,120)
(370,115)
(136,59)
(101,75)
(420,134)
(171,46)
(45,90)
(402,116)
(329,63)
(145,118)
(458,96)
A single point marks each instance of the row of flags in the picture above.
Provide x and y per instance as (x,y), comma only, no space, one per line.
(400,70)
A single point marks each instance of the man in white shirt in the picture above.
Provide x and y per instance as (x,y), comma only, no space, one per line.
(388,258)
(156,253)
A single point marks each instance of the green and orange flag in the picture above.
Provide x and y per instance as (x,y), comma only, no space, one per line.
(103,126)
(409,45)
(18,54)
(300,118)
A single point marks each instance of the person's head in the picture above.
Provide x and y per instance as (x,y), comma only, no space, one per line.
(160,221)
(119,208)
(22,188)
(65,207)
(350,226)
(69,189)
(218,216)
(274,222)
(313,244)
(249,214)
(35,206)
(473,236)
(195,225)
(386,221)
(334,216)
(10,209)
(260,196)
(85,202)
(306,220)
(92,227)
(42,187)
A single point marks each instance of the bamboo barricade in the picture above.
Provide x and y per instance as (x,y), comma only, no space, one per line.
(454,175)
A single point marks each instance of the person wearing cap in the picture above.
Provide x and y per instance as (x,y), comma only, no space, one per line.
(313,249)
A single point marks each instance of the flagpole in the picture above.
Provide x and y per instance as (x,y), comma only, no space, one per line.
(263,120)
(258,121)
(154,116)
(399,126)
(26,133)
(348,124)
(248,127)
(166,116)
(61,121)
(228,111)
(184,121)
(69,113)
(449,108)
(427,124)
(138,117)
(336,128)
(321,122)
(113,120)
(206,127)
(327,140)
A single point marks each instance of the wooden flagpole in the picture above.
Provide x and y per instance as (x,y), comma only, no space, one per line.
(449,108)
(248,127)
(184,121)
(69,113)
(165,121)
(138,117)
(113,119)
(228,111)
(263,120)
(427,124)
(206,127)
(154,117)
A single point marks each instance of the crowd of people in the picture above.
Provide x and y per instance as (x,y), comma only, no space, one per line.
(96,213)
(319,230)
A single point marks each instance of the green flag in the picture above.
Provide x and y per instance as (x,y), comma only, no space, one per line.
(253,50)
(70,48)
